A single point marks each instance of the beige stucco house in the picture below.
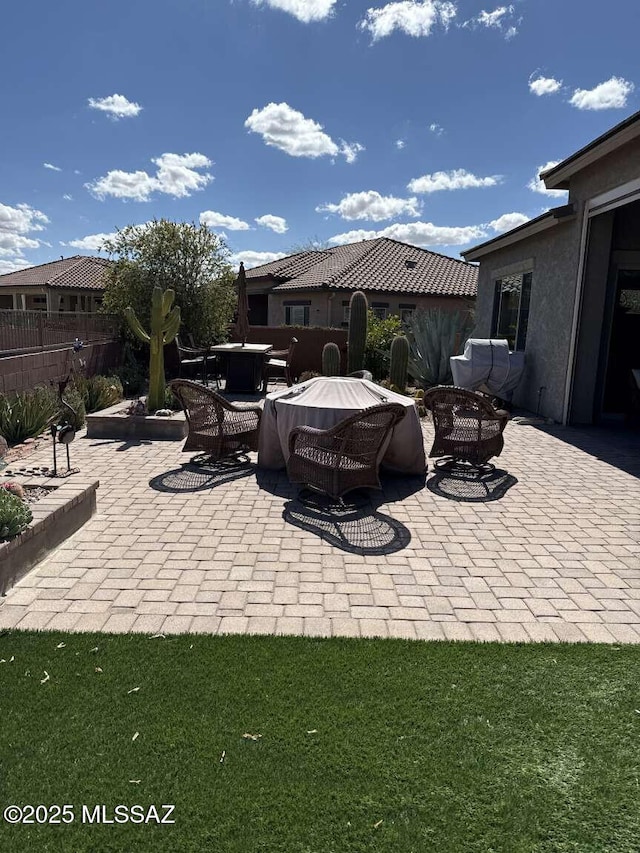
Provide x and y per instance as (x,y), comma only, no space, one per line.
(69,284)
(565,287)
(313,288)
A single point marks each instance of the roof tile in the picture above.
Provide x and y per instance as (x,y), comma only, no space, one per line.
(373,265)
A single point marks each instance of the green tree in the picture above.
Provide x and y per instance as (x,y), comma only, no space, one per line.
(182,256)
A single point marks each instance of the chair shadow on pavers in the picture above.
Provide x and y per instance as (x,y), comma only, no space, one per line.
(470,487)
(198,476)
(357,528)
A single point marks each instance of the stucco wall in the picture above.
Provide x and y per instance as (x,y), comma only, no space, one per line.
(327,309)
(609,172)
(552,256)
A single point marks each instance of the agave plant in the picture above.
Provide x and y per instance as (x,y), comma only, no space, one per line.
(434,336)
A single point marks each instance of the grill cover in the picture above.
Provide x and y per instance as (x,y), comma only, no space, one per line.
(488,362)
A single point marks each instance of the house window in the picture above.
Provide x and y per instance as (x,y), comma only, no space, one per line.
(380,310)
(511,309)
(296,313)
(346,312)
(406,312)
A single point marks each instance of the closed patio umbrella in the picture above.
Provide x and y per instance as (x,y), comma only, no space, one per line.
(242,317)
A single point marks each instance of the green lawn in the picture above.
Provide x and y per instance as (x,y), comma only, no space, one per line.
(365,745)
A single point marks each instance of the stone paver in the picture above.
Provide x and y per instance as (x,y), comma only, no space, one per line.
(173,550)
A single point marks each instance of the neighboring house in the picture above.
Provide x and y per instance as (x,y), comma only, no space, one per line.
(313,288)
(565,287)
(70,284)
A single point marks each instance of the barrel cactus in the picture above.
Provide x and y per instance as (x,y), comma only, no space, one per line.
(165,323)
(358,308)
(398,369)
(15,515)
(331,360)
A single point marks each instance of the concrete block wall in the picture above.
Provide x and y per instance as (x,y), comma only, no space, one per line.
(23,372)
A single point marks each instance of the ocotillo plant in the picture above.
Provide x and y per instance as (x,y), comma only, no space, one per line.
(358,308)
(331,360)
(399,362)
(165,323)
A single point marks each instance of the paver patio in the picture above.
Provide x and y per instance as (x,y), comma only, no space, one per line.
(557,557)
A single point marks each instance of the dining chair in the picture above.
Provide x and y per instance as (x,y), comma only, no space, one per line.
(278,363)
(191,360)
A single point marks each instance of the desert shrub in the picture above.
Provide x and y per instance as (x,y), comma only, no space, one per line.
(27,414)
(15,515)
(99,392)
(170,400)
(14,488)
(308,374)
(132,374)
(380,334)
(78,417)
(434,336)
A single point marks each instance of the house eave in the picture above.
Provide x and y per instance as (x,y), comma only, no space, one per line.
(559,177)
(529,229)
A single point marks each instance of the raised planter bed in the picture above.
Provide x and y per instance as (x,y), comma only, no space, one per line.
(55,517)
(114,422)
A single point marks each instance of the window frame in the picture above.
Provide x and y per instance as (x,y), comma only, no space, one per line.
(518,340)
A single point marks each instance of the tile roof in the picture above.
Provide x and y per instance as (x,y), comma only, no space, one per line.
(78,272)
(372,265)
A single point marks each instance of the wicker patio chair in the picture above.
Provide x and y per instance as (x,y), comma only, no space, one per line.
(278,363)
(335,461)
(216,427)
(468,429)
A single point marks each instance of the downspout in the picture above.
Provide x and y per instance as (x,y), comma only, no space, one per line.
(329,305)
(577,311)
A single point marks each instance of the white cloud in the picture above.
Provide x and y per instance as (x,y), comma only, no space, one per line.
(91,243)
(544,86)
(372,206)
(12,265)
(536,185)
(508,221)
(255,259)
(287,129)
(304,10)
(67,197)
(612,94)
(350,150)
(176,176)
(16,225)
(218,220)
(414,17)
(52,167)
(418,233)
(275,223)
(436,128)
(503,18)
(456,179)
(115,106)
(400,144)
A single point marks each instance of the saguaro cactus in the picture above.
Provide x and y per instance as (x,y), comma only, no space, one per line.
(331,359)
(399,362)
(358,308)
(165,322)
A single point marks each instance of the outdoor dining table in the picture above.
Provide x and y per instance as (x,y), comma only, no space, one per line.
(244,363)
(324,401)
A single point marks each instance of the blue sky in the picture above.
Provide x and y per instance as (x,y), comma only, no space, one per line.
(278,122)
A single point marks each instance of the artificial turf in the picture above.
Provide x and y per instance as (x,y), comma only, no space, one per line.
(365,745)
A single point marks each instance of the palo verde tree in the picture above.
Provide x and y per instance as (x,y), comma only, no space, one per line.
(181,256)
